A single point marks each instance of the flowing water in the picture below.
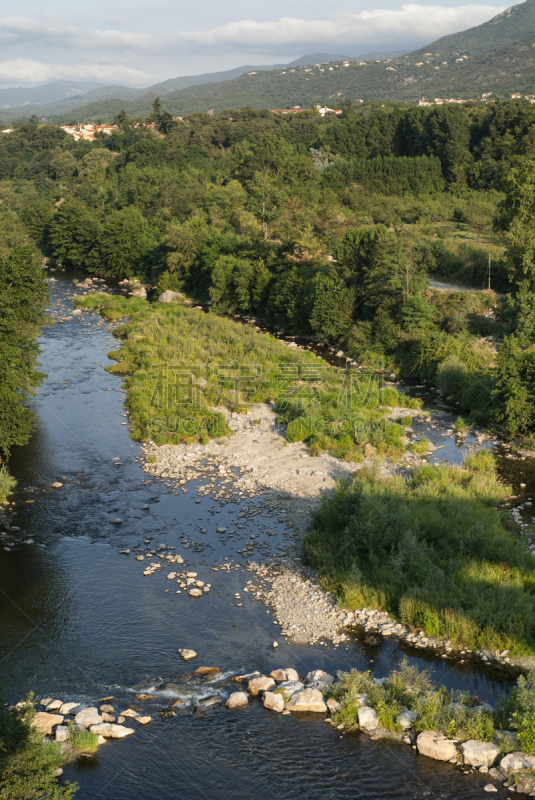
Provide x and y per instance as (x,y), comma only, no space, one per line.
(79,621)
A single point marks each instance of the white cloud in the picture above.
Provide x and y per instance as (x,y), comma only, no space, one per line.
(377,28)
(28,71)
(61,49)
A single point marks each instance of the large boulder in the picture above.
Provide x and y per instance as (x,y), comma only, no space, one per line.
(405,719)
(516,762)
(111,731)
(68,708)
(45,722)
(435,745)
(479,754)
(319,676)
(88,716)
(168,296)
(273,701)
(237,700)
(291,687)
(307,700)
(62,733)
(259,685)
(281,675)
(368,719)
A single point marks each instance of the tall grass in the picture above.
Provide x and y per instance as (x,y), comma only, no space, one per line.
(431,549)
(183,368)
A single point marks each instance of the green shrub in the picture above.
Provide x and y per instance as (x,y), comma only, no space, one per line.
(432,549)
(522,718)
(27,762)
(460,425)
(82,741)
(7,483)
(421,446)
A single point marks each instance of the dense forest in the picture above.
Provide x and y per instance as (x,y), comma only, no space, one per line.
(329,227)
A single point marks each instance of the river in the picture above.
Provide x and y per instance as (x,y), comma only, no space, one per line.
(79,621)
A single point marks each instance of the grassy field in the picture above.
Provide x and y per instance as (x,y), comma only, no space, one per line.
(182,367)
(433,550)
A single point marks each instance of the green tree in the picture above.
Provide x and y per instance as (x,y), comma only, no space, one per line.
(22,302)
(516,218)
(123,243)
(74,235)
(515,385)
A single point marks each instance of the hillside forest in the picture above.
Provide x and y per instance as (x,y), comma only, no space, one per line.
(328,227)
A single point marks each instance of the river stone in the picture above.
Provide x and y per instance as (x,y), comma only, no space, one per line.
(318,675)
(479,754)
(55,705)
(46,700)
(237,700)
(45,722)
(405,719)
(333,705)
(110,731)
(434,745)
(68,708)
(490,788)
(107,717)
(517,761)
(107,709)
(246,678)
(207,671)
(259,685)
(195,592)
(368,719)
(62,733)
(281,675)
(187,655)
(143,720)
(129,713)
(273,701)
(291,687)
(307,700)
(88,716)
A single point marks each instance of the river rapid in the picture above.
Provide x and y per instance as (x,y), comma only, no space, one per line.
(80,621)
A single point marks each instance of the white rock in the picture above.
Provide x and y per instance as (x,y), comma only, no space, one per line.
(517,761)
(129,713)
(45,722)
(307,700)
(435,745)
(259,685)
(55,705)
(291,687)
(490,788)
(237,700)
(333,705)
(273,701)
(88,716)
(479,754)
(110,731)
(195,593)
(187,655)
(62,733)
(368,719)
(68,708)
(405,719)
(318,675)
(143,720)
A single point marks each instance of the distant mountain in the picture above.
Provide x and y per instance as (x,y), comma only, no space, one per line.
(64,98)
(44,94)
(512,25)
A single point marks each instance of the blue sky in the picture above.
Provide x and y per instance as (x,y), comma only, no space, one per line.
(139,43)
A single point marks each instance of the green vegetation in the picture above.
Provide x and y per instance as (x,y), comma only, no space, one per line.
(82,741)
(7,483)
(456,714)
(172,399)
(432,550)
(27,762)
